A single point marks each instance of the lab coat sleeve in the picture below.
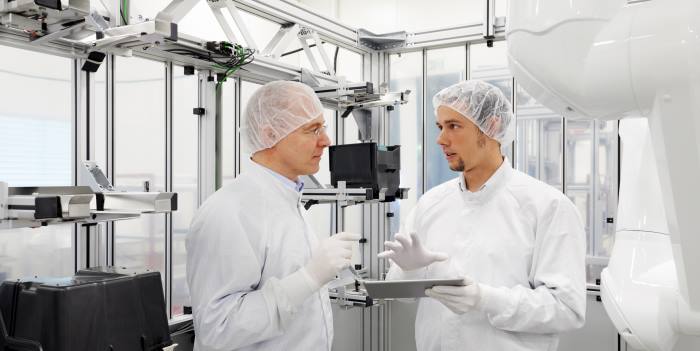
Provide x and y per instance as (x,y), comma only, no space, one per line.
(224,273)
(556,300)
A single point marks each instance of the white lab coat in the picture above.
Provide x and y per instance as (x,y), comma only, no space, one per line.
(523,241)
(243,239)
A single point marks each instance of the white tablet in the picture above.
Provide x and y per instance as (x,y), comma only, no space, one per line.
(397,289)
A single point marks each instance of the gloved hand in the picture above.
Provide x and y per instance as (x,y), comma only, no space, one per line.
(331,256)
(459,299)
(409,253)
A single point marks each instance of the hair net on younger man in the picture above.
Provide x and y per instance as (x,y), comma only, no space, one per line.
(275,110)
(483,104)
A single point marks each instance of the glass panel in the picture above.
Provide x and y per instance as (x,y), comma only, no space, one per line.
(539,141)
(100,94)
(35,149)
(490,64)
(228,134)
(350,65)
(579,170)
(139,143)
(35,138)
(592,153)
(406,129)
(247,90)
(184,178)
(606,187)
(501,8)
(444,68)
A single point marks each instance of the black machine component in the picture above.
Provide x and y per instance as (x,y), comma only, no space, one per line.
(93,62)
(50,4)
(367,165)
(97,309)
(220,47)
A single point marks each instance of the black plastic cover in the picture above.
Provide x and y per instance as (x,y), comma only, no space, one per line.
(51,4)
(367,165)
(97,309)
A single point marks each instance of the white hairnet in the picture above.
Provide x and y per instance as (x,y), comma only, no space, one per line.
(277,109)
(483,104)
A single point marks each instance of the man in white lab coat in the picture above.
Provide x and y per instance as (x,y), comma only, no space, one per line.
(255,269)
(519,244)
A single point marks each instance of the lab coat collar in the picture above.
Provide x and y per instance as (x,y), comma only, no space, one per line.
(497,181)
(297,186)
(288,188)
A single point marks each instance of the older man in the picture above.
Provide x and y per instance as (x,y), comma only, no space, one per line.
(255,269)
(518,243)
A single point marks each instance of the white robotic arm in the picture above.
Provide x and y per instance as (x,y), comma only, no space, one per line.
(610,59)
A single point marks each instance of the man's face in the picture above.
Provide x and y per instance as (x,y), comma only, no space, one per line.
(301,150)
(462,143)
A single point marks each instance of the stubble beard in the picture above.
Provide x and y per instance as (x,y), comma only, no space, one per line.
(459,167)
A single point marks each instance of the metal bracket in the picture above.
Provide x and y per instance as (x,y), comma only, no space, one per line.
(381,41)
(280,42)
(350,298)
(341,195)
(344,196)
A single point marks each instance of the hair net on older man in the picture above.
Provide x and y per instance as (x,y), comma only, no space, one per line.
(483,104)
(275,110)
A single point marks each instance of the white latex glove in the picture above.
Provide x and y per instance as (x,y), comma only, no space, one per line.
(459,299)
(332,255)
(409,254)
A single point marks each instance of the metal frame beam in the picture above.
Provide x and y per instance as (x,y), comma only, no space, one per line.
(450,36)
(287,11)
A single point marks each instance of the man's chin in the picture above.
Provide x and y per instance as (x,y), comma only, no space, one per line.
(312,169)
(457,167)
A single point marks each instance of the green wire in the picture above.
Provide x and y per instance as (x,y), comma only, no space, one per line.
(124,11)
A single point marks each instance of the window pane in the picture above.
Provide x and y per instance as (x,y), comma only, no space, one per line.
(501,8)
(247,90)
(100,78)
(228,133)
(35,138)
(579,170)
(591,169)
(139,143)
(350,66)
(606,187)
(445,67)
(490,64)
(35,149)
(538,141)
(184,178)
(406,128)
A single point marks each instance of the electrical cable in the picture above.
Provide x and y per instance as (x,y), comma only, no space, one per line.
(124,12)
